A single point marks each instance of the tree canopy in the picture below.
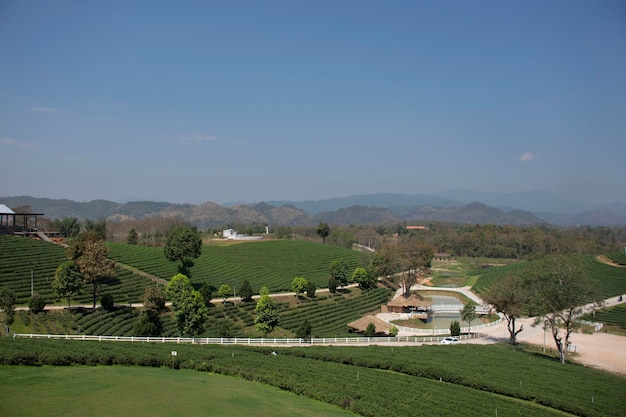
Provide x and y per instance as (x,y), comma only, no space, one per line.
(267,313)
(323,230)
(510,296)
(362,277)
(7,305)
(561,289)
(90,253)
(245,291)
(183,244)
(68,281)
(338,270)
(298,285)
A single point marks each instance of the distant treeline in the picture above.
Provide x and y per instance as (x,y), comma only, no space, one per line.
(490,241)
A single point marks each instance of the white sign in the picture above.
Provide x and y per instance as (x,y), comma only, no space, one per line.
(174,353)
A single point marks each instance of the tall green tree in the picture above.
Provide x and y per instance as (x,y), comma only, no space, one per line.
(7,305)
(387,261)
(338,270)
(298,285)
(133,237)
(177,289)
(90,253)
(510,296)
(362,277)
(191,314)
(562,289)
(225,291)
(310,289)
(323,230)
(245,291)
(183,244)
(98,227)
(207,293)
(455,328)
(188,305)
(332,284)
(69,227)
(305,330)
(468,313)
(68,281)
(266,313)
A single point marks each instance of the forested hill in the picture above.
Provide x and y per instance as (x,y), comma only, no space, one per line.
(213,215)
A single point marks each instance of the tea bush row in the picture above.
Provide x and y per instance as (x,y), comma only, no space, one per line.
(269,263)
(371,381)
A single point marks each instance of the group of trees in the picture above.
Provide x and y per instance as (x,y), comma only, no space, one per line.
(188,304)
(555,288)
(404,261)
(339,276)
(88,264)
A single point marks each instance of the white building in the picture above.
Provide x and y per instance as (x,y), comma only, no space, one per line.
(233,235)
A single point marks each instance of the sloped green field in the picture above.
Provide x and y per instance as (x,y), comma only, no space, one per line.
(272,263)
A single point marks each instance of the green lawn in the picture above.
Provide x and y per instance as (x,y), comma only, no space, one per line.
(138,391)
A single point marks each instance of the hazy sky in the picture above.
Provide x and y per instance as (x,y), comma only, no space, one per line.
(185,101)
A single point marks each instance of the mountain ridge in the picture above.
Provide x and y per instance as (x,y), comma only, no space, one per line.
(357,209)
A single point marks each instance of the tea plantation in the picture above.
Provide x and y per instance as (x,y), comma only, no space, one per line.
(611,280)
(273,263)
(466,379)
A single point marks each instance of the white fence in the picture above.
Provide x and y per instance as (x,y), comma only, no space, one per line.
(456,308)
(251,341)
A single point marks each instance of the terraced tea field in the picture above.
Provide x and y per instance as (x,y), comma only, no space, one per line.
(269,263)
(19,257)
(611,280)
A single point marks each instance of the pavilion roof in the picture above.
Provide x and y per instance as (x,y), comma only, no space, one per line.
(414,300)
(362,323)
(5,210)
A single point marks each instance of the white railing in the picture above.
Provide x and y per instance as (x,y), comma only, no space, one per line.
(252,341)
(456,308)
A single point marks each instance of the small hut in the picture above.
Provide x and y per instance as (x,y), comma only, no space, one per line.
(414,304)
(361,324)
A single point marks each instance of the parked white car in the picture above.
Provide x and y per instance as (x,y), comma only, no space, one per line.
(449,341)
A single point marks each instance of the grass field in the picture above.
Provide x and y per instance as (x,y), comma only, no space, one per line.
(120,391)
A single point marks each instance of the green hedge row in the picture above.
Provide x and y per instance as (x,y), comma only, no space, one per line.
(371,381)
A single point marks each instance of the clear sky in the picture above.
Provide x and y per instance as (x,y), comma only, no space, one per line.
(186,101)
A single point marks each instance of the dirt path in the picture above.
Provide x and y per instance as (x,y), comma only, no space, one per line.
(599,350)
(605,260)
(134,270)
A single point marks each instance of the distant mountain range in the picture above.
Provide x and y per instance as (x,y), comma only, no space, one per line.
(521,209)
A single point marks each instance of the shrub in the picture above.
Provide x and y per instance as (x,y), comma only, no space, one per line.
(107,302)
(332,285)
(393,332)
(37,303)
(370,330)
(455,328)
(310,289)
(304,331)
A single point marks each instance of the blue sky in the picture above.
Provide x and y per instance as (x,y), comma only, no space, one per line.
(265,100)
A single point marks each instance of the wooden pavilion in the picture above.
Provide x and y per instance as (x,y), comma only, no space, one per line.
(414,304)
(361,324)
